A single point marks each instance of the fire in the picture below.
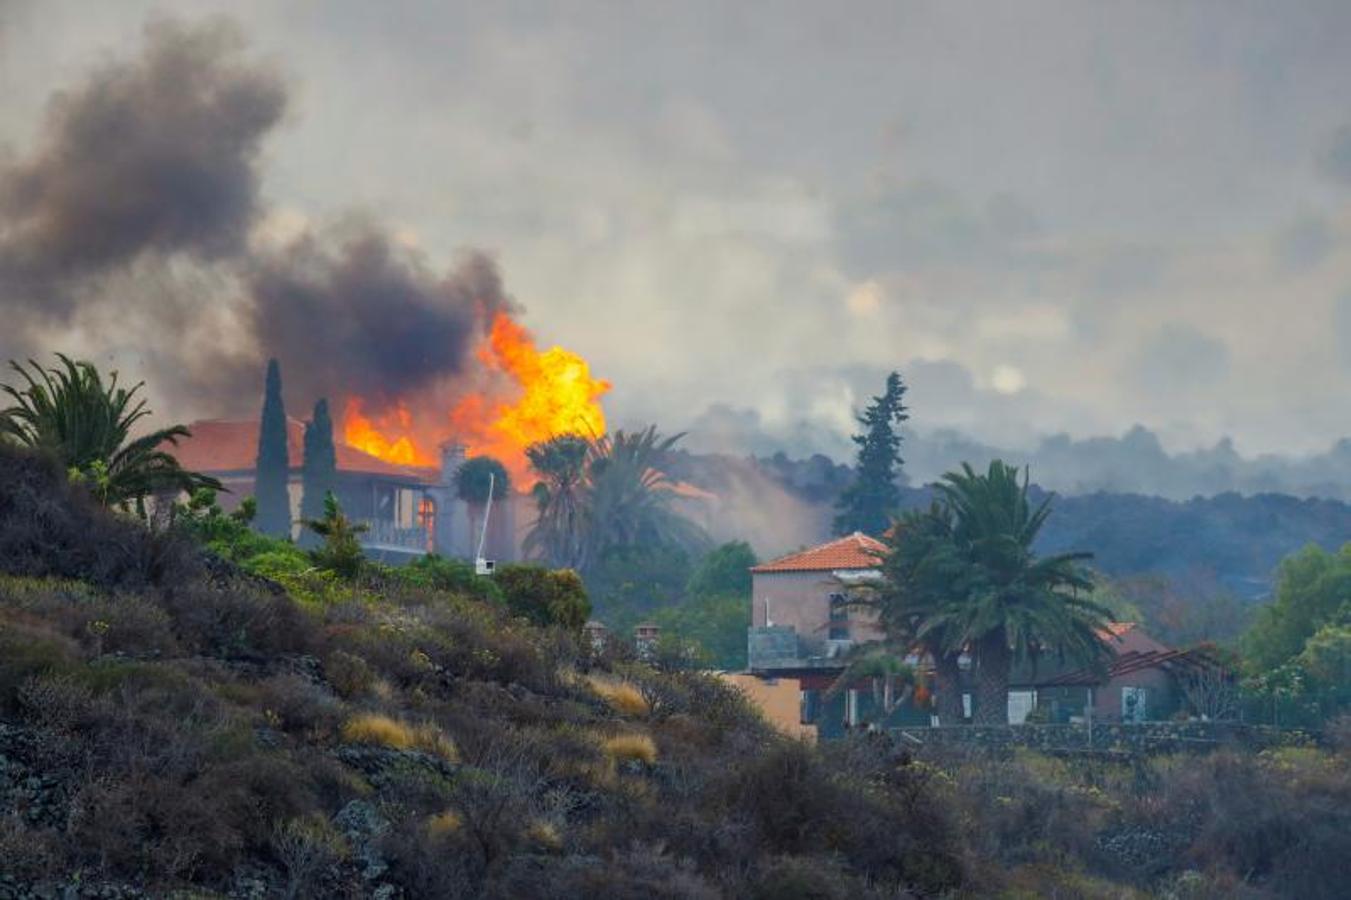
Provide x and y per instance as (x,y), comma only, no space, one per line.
(365,435)
(551,392)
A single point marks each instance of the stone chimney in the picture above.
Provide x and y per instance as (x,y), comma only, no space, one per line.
(452,457)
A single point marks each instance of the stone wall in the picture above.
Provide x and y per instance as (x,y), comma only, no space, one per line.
(1147,738)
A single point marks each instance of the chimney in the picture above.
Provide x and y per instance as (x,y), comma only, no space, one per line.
(452,457)
(645,638)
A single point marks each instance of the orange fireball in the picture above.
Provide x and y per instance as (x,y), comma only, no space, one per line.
(543,394)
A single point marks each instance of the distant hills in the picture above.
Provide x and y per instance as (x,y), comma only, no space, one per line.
(1223,542)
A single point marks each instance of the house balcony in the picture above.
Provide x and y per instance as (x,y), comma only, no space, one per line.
(384,535)
(780,647)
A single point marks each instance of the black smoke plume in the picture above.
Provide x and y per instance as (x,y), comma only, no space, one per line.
(138,214)
(156,156)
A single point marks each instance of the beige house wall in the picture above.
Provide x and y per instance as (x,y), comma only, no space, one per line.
(779,699)
(802,600)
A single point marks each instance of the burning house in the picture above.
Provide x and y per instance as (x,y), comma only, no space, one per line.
(409,510)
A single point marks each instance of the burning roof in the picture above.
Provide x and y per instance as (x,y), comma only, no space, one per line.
(222,446)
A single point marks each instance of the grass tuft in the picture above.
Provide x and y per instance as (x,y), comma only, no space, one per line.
(623,697)
(626,747)
(370,728)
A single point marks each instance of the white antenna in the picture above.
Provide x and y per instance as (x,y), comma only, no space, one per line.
(485,566)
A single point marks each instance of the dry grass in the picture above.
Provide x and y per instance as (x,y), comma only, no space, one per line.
(544,834)
(623,697)
(444,823)
(626,747)
(370,728)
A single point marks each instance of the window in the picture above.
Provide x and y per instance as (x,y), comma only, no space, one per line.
(810,706)
(839,617)
(1021,703)
(851,712)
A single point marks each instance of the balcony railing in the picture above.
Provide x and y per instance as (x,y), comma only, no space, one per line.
(383,533)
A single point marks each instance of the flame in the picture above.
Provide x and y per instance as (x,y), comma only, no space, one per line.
(549,393)
(365,435)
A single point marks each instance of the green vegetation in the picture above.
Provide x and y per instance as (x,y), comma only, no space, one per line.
(476,475)
(1297,654)
(544,596)
(870,501)
(173,724)
(68,411)
(273,469)
(602,497)
(963,576)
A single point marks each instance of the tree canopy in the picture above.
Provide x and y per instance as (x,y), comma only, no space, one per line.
(873,497)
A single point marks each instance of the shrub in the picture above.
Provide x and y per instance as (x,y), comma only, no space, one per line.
(545,596)
(632,747)
(371,728)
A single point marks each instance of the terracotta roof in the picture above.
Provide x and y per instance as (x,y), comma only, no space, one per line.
(853,551)
(1191,660)
(221,445)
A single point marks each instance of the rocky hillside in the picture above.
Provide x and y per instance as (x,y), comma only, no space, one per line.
(168,722)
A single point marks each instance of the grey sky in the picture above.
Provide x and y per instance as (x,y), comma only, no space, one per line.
(1052,216)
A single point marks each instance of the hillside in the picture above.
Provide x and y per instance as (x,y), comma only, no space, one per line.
(168,721)
(171,725)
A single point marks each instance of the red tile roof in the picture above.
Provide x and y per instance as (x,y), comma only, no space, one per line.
(853,551)
(220,445)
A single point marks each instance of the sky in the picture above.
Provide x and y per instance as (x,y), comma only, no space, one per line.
(1050,217)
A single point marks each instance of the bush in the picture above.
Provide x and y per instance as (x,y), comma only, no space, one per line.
(545,596)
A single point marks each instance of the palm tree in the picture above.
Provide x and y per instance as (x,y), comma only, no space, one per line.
(557,535)
(600,494)
(68,411)
(892,679)
(1008,604)
(921,573)
(629,496)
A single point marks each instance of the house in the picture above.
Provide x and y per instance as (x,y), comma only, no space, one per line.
(1145,681)
(408,510)
(803,628)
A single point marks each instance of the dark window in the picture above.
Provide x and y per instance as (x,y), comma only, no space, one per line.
(839,618)
(811,702)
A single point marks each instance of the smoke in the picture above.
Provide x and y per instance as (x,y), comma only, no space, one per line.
(369,315)
(155,156)
(137,218)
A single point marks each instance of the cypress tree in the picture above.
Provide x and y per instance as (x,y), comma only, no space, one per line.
(868,504)
(320,467)
(272,472)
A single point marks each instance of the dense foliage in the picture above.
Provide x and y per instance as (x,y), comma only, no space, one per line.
(602,497)
(68,411)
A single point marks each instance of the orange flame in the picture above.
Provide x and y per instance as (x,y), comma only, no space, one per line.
(552,393)
(365,435)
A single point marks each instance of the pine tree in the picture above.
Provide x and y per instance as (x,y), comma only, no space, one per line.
(320,467)
(868,503)
(272,472)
